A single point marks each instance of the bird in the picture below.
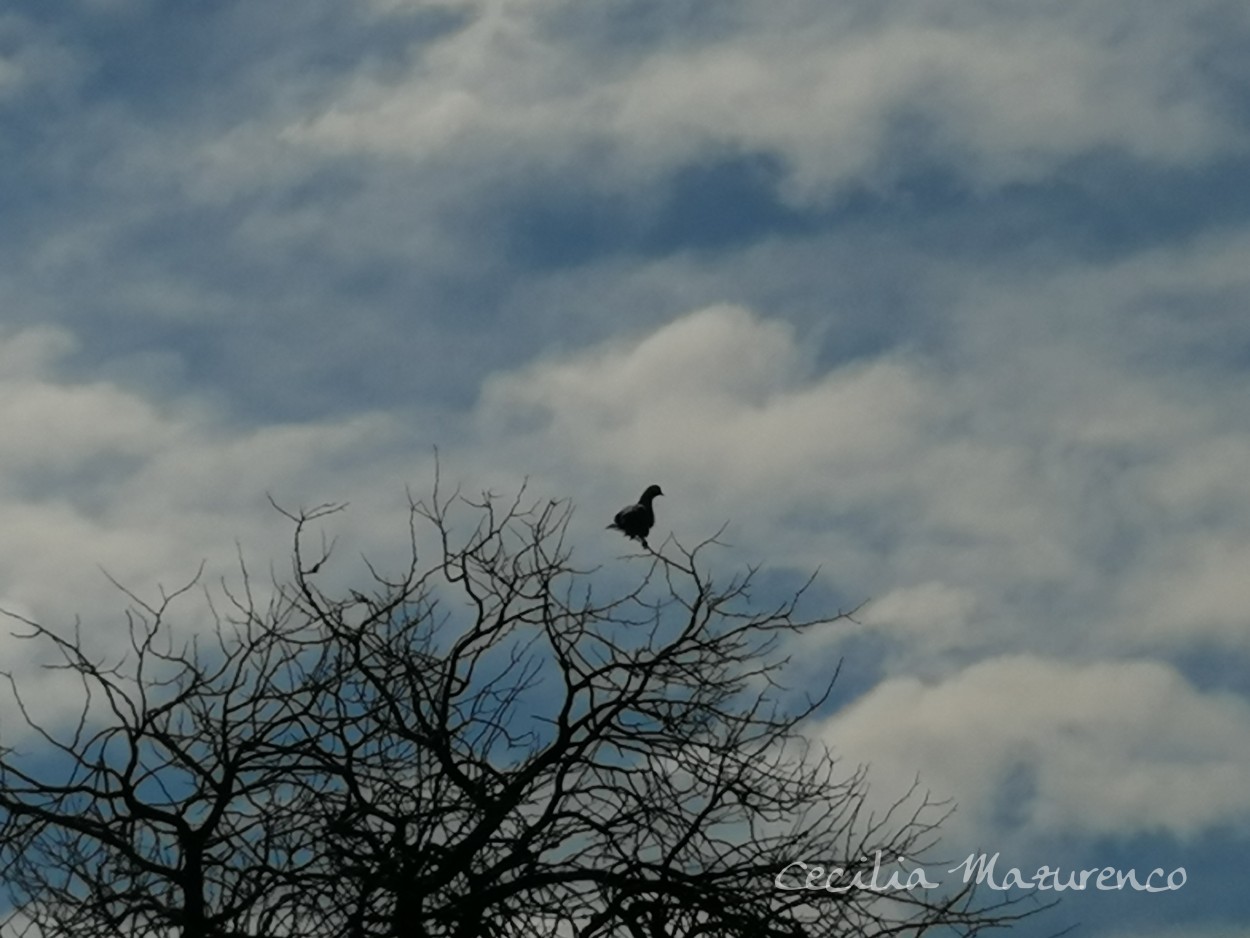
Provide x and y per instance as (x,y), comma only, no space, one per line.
(636,520)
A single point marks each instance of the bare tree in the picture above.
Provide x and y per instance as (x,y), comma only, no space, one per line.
(478,745)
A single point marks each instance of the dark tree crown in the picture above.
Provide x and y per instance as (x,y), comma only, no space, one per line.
(482,744)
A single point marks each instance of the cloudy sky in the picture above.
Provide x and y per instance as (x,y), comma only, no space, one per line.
(948,298)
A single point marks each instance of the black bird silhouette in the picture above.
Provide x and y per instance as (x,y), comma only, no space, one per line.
(636,520)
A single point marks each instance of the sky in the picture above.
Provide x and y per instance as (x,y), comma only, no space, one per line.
(947,299)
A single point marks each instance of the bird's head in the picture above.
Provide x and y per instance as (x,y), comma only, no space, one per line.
(651,492)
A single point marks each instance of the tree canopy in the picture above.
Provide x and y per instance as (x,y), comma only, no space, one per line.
(479,744)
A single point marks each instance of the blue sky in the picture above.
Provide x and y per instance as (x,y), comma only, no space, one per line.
(948,298)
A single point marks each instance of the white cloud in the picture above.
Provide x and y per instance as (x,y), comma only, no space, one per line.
(934,613)
(1195,589)
(1037,477)
(1000,93)
(727,404)
(720,387)
(96,475)
(1047,747)
(723,409)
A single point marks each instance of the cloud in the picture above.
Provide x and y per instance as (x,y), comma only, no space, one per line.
(933,613)
(102,482)
(1062,472)
(32,63)
(996,95)
(944,297)
(99,475)
(720,386)
(1043,747)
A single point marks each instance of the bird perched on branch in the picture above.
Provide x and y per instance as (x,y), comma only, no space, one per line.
(636,520)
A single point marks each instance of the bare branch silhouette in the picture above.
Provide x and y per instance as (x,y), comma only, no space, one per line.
(479,744)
